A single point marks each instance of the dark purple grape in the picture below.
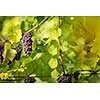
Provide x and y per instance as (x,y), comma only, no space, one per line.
(29,79)
(27,43)
(76,74)
(1,52)
(65,78)
(18,50)
(1,58)
(1,48)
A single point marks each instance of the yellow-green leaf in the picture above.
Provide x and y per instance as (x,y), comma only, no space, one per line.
(7,47)
(15,37)
(12,54)
(48,29)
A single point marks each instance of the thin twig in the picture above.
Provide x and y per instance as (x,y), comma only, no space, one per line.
(32,29)
(59,44)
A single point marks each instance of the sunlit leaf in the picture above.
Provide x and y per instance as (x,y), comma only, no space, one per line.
(12,54)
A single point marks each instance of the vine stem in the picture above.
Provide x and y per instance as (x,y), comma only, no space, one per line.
(60,45)
(32,29)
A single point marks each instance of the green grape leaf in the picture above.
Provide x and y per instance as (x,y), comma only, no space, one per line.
(49,29)
(10,24)
(15,37)
(24,26)
(11,54)
(7,47)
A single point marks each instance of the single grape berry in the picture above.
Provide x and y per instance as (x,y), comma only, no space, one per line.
(29,79)
(1,52)
(18,50)
(65,78)
(76,74)
(27,43)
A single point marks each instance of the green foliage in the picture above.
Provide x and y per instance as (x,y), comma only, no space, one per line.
(59,44)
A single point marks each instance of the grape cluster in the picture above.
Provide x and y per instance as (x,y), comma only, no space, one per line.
(67,78)
(29,79)
(27,43)
(1,52)
(18,50)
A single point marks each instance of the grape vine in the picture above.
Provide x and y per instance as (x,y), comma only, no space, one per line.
(51,49)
